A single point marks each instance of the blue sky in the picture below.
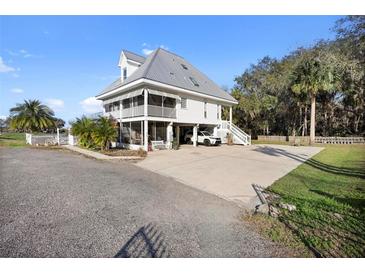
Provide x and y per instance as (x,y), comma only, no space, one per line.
(63,60)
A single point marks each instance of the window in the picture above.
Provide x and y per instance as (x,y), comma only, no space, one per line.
(116,106)
(106,107)
(217,111)
(138,100)
(169,102)
(126,103)
(195,83)
(205,109)
(124,73)
(154,100)
(184,66)
(184,103)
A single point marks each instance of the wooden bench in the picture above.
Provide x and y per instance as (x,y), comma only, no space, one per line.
(157,145)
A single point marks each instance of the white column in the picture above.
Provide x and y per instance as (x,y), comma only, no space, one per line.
(230,117)
(120,122)
(142,133)
(220,112)
(169,135)
(145,112)
(145,104)
(215,131)
(178,135)
(145,135)
(195,135)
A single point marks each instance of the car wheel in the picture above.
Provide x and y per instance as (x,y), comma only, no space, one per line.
(207,142)
(188,141)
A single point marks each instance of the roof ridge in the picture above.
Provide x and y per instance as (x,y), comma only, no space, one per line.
(173,53)
(144,75)
(134,53)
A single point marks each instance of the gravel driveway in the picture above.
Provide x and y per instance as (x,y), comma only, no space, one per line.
(59,204)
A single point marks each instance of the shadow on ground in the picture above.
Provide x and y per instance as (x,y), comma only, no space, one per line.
(312,162)
(147,242)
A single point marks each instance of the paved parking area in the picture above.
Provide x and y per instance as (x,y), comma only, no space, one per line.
(228,171)
(61,204)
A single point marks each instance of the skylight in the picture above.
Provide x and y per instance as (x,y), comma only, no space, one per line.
(184,66)
(195,83)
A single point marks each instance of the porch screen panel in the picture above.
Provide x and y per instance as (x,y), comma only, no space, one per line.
(126,137)
(136,133)
(169,102)
(161,131)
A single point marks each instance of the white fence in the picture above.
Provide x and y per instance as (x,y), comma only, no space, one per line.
(50,139)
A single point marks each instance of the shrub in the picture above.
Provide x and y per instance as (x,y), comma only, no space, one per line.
(105,131)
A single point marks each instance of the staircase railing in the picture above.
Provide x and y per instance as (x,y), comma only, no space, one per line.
(239,133)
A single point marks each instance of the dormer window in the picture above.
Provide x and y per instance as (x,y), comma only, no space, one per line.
(194,82)
(124,73)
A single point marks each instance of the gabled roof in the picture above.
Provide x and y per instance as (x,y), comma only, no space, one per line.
(133,56)
(168,68)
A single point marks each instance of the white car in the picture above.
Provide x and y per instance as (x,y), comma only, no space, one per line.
(204,137)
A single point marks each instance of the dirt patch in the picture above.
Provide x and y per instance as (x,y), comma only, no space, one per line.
(125,152)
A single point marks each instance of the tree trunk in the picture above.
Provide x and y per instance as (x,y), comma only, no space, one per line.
(300,118)
(313,119)
(305,123)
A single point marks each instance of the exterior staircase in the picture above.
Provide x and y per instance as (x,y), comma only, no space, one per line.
(239,136)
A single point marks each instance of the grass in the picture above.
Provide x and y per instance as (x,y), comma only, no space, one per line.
(276,231)
(257,142)
(329,194)
(12,139)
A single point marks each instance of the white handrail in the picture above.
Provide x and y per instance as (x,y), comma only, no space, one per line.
(236,131)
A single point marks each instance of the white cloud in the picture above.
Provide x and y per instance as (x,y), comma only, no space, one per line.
(91,105)
(3,117)
(17,90)
(5,68)
(23,53)
(55,103)
(147,51)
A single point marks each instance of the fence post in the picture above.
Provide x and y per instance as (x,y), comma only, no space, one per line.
(58,136)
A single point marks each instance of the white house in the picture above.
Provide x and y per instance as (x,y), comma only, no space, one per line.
(162,98)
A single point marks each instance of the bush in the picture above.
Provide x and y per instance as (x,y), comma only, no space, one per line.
(95,133)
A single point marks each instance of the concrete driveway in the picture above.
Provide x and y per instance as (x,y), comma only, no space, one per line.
(229,171)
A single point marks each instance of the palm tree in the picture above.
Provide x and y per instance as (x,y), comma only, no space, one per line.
(105,132)
(83,128)
(32,115)
(314,73)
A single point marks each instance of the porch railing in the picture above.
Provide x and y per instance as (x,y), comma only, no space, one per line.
(158,111)
(133,111)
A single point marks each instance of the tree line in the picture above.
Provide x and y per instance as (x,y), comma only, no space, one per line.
(317,90)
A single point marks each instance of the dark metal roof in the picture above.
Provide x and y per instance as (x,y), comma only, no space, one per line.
(168,68)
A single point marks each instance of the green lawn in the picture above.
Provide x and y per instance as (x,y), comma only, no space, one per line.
(329,193)
(12,139)
(257,142)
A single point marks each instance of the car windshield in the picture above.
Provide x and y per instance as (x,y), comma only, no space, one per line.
(205,133)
